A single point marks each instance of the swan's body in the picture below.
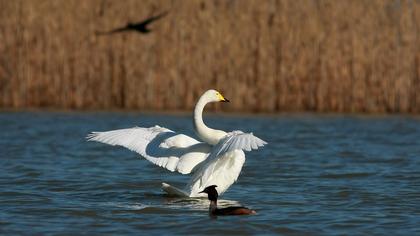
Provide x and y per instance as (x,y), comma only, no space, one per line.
(217,160)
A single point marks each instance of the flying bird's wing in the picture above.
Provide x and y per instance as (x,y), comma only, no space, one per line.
(139,26)
(161,146)
(117,30)
(153,18)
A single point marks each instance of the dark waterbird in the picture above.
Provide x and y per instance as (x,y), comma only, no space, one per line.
(214,211)
(140,27)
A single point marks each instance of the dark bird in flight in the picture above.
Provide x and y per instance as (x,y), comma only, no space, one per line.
(214,211)
(140,27)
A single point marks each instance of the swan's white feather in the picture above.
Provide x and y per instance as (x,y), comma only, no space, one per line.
(222,171)
(219,165)
(174,191)
(225,162)
(237,140)
(161,146)
(216,161)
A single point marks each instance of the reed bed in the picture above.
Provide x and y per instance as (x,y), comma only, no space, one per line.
(266,56)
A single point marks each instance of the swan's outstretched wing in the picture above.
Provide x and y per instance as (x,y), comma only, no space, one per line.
(161,146)
(225,162)
(237,140)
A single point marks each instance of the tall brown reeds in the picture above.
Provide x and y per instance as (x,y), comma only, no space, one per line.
(266,56)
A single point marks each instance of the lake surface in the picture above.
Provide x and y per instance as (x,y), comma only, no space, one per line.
(319,175)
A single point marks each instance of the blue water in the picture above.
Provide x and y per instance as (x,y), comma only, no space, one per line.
(319,175)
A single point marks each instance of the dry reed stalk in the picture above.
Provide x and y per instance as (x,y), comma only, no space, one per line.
(267,56)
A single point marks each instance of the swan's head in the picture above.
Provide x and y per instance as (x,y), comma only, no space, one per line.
(211,192)
(214,96)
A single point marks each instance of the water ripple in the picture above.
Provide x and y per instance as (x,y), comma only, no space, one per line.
(319,175)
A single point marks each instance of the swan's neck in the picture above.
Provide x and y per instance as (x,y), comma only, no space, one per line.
(210,136)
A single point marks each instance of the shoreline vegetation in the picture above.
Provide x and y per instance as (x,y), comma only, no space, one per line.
(265,56)
(208,113)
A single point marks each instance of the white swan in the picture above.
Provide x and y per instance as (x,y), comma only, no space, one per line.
(217,160)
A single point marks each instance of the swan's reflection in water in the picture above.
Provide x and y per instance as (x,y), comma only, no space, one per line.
(197,203)
(168,204)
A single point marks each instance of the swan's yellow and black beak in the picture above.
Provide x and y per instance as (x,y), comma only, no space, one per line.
(222,99)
